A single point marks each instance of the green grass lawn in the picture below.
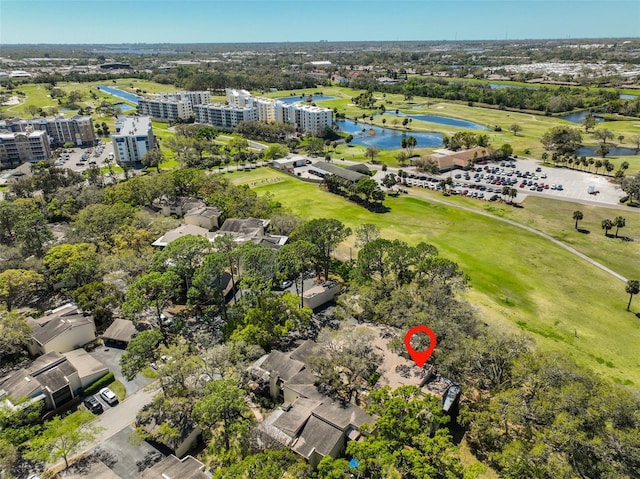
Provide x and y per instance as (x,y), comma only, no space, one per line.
(520,282)
(119,390)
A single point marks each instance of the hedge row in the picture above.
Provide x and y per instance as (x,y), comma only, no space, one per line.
(99,384)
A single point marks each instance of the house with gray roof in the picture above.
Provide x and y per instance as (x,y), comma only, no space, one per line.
(64,329)
(310,423)
(173,468)
(53,378)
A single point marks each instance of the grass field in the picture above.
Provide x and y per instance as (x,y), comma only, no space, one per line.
(533,125)
(519,281)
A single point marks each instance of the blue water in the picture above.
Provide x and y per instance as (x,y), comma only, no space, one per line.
(443,120)
(119,93)
(124,107)
(386,138)
(628,97)
(592,151)
(314,98)
(353,462)
(579,116)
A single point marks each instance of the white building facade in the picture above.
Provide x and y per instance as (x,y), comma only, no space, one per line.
(133,138)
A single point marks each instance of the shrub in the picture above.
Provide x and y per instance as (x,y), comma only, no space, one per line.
(624,199)
(100,383)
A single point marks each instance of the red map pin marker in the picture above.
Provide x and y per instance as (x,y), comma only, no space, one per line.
(420,357)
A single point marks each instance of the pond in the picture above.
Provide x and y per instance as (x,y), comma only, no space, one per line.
(442,120)
(314,98)
(386,138)
(614,151)
(624,96)
(119,93)
(578,116)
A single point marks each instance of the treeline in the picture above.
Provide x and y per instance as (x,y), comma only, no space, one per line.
(256,79)
(548,100)
(526,413)
(365,192)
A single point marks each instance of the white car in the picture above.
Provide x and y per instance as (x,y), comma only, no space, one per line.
(109,396)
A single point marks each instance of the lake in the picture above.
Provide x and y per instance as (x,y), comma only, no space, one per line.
(578,116)
(386,138)
(442,120)
(119,93)
(614,151)
(293,99)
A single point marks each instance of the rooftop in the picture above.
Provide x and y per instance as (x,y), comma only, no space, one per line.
(318,436)
(173,468)
(179,232)
(121,330)
(43,332)
(328,168)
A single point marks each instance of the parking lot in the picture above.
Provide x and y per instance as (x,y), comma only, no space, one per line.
(528,177)
(110,357)
(79,159)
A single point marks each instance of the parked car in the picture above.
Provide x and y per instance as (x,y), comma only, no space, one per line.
(93,405)
(109,396)
(285,284)
(559,187)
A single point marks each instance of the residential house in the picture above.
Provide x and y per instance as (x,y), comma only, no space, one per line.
(173,468)
(61,330)
(320,294)
(119,333)
(204,216)
(312,424)
(54,378)
(180,231)
(188,435)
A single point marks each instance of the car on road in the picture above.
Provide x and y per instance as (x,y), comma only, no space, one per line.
(109,396)
(93,405)
(285,284)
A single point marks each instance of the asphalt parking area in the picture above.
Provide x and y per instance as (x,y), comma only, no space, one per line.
(110,357)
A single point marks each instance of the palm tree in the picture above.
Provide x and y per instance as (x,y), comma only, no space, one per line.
(632,287)
(606,226)
(619,222)
(577,215)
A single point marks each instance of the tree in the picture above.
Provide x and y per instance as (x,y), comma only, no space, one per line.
(294,259)
(98,223)
(603,135)
(152,290)
(632,288)
(326,234)
(223,411)
(276,151)
(17,284)
(315,146)
(577,215)
(33,232)
(389,180)
(411,143)
(152,158)
(371,153)
(61,437)
(515,128)
(365,233)
(72,264)
(619,222)
(589,122)
(606,226)
(182,256)
(15,334)
(345,362)
(562,139)
(141,351)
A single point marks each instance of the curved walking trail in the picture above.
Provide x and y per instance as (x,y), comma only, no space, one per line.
(531,230)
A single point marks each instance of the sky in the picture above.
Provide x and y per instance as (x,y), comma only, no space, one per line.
(213,21)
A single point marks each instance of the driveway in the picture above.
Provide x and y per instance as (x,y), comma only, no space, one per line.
(110,357)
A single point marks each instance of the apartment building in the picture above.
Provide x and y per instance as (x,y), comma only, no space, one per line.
(224,117)
(133,138)
(307,119)
(173,106)
(171,110)
(17,148)
(77,129)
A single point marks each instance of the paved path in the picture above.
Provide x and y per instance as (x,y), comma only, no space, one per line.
(527,228)
(113,420)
